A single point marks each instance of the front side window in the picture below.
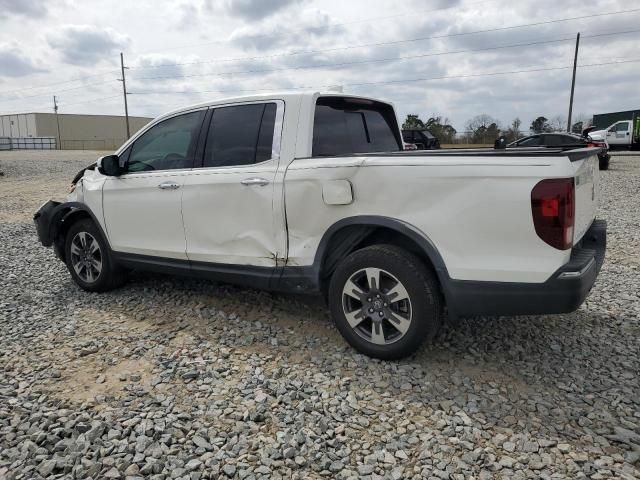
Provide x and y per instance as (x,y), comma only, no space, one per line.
(169,145)
(344,125)
(240,135)
(623,127)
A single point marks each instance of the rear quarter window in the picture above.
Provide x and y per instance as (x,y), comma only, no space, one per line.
(344,126)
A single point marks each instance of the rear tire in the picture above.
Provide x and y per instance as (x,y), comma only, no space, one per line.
(604,163)
(385,301)
(88,258)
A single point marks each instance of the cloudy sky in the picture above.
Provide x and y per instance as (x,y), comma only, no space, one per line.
(453,58)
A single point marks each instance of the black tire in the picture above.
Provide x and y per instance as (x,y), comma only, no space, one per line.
(109,276)
(396,265)
(604,163)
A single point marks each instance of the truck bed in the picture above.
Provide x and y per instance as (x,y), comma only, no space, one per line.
(575,154)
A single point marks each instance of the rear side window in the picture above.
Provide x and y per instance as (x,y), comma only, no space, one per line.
(555,140)
(240,135)
(570,140)
(345,126)
(529,142)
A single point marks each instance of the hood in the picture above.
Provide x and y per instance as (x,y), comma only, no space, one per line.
(598,134)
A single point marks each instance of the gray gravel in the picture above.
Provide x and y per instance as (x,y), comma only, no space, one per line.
(181,378)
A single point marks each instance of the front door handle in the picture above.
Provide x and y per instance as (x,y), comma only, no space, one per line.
(168,186)
(255,181)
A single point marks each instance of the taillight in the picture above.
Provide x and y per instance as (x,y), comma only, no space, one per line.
(553,208)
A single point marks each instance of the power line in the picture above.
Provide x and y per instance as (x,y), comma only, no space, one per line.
(304,67)
(389,59)
(92,100)
(412,80)
(395,42)
(382,60)
(322,50)
(371,19)
(353,47)
(358,62)
(77,79)
(330,25)
(390,82)
(57,91)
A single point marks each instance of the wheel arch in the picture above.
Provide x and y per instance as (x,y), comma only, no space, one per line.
(66,215)
(353,233)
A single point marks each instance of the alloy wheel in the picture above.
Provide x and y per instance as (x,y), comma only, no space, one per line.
(86,257)
(377,306)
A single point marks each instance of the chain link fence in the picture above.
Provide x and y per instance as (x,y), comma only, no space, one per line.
(96,144)
(50,143)
(28,143)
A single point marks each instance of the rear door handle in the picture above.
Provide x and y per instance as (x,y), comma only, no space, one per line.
(168,186)
(255,181)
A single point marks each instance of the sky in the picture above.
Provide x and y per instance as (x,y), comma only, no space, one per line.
(453,58)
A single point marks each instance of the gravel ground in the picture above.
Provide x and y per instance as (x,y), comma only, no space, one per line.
(178,378)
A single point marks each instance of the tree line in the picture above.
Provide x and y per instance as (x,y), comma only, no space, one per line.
(485,129)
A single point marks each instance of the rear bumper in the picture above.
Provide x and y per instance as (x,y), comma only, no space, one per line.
(564,292)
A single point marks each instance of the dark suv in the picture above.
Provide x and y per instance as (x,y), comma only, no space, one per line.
(422,139)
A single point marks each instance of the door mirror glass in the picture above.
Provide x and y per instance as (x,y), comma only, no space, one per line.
(109,165)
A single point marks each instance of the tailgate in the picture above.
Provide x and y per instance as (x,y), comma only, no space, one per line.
(587,182)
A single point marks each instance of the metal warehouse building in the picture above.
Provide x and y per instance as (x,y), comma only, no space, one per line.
(69,131)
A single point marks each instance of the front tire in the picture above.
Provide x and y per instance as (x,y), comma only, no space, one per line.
(385,301)
(604,163)
(89,260)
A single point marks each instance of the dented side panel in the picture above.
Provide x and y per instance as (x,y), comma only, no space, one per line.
(228,222)
(235,215)
(475,211)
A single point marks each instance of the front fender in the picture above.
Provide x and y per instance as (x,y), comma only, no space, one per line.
(52,220)
(47,216)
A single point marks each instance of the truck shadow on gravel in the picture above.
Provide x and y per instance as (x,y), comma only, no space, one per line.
(552,375)
(548,374)
(535,349)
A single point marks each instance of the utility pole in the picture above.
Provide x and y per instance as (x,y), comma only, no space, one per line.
(124,91)
(573,82)
(55,110)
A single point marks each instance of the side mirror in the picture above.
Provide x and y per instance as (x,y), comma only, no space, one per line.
(109,165)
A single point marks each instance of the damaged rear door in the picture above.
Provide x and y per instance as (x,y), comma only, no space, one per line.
(228,202)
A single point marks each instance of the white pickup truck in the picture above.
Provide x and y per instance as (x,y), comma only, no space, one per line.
(621,134)
(311,193)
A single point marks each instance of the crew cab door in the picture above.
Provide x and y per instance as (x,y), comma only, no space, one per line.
(232,203)
(142,207)
(619,133)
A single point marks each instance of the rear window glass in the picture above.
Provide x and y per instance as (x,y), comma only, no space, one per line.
(345,126)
